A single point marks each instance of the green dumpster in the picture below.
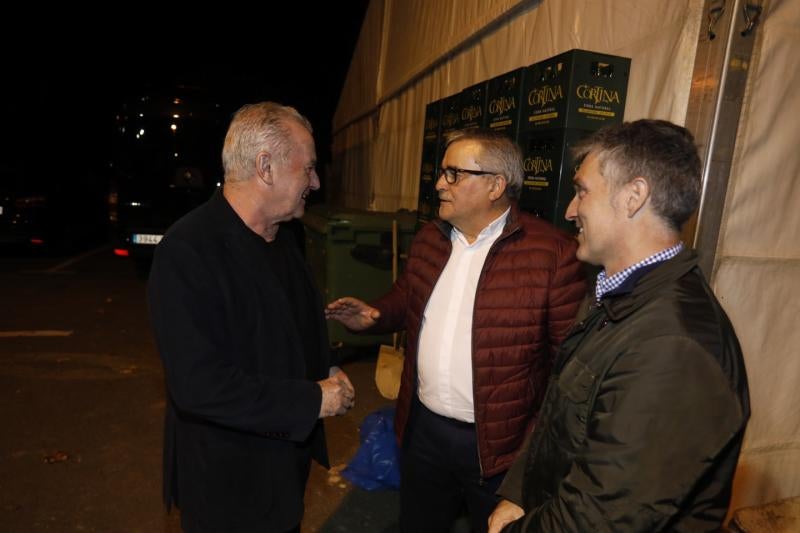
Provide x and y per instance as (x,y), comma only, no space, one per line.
(350,254)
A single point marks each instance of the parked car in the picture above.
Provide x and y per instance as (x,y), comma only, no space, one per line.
(58,215)
(166,160)
(22,218)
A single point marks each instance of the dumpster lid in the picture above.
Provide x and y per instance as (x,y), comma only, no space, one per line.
(321,216)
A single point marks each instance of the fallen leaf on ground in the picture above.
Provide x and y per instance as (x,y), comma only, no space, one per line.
(333,474)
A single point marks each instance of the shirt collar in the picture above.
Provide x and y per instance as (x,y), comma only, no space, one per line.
(608,284)
(492,231)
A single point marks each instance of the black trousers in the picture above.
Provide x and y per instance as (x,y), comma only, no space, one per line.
(190,525)
(440,475)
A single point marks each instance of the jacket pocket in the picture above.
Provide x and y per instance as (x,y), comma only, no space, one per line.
(576,384)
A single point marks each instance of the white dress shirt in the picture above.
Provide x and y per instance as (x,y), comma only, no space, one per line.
(444,360)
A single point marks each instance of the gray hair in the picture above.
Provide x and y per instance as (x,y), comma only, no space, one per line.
(498,153)
(257,127)
(661,152)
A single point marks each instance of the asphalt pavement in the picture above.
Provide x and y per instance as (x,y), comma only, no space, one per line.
(82,403)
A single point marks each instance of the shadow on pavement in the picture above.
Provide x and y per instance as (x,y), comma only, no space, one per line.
(363,510)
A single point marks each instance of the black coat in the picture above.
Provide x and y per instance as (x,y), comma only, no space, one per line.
(242,407)
(644,417)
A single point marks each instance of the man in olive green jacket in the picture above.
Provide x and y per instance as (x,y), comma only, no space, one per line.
(646,408)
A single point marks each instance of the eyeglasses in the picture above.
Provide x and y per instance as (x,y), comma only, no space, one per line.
(451,173)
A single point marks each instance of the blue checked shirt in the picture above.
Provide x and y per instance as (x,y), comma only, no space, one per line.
(607,284)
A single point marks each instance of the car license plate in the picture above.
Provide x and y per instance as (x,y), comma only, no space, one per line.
(146,238)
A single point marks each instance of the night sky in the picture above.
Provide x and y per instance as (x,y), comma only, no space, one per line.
(64,77)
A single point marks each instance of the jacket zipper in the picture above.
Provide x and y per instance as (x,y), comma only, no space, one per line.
(492,252)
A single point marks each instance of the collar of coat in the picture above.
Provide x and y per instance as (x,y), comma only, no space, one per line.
(512,224)
(623,303)
(227,220)
(224,214)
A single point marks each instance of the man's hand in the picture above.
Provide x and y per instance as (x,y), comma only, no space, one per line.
(352,313)
(341,376)
(338,394)
(505,513)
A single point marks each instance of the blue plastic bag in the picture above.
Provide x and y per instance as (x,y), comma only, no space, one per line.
(376,463)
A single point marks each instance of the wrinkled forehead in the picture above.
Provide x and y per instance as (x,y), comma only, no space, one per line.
(302,141)
(467,149)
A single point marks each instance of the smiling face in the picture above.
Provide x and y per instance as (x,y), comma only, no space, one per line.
(295,176)
(595,212)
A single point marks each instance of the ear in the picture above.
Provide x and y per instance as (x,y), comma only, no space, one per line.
(498,187)
(263,168)
(637,195)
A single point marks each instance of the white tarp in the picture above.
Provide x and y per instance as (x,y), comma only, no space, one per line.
(443,25)
(390,83)
(758,258)
(409,54)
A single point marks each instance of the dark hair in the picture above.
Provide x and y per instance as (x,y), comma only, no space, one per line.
(498,153)
(657,150)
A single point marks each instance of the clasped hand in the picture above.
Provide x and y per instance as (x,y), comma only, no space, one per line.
(338,394)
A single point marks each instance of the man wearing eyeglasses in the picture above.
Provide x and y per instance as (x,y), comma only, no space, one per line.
(486,297)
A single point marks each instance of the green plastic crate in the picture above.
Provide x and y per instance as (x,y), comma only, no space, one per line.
(350,254)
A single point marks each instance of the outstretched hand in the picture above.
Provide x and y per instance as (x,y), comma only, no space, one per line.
(352,313)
